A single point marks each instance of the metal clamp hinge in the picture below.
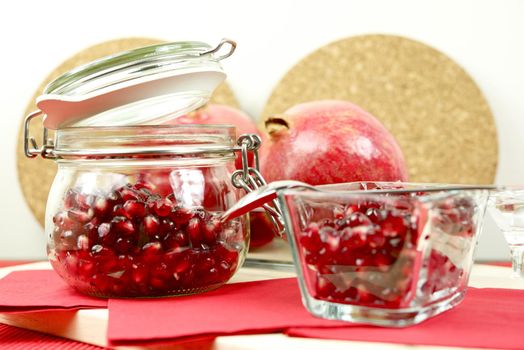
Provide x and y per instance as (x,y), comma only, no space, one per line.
(31,148)
(250,179)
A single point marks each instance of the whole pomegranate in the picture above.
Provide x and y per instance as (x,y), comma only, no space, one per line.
(262,231)
(330,141)
(219,114)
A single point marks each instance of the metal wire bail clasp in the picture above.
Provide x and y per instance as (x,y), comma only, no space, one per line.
(31,148)
(232,48)
(250,179)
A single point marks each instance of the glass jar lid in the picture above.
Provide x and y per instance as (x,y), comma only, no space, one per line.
(145,86)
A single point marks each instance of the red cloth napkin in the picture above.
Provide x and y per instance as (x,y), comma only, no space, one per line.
(13,338)
(240,308)
(486,318)
(41,290)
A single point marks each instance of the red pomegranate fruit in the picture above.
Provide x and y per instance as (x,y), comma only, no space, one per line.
(330,141)
(261,227)
(219,114)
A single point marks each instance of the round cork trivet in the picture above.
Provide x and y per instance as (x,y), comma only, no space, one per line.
(429,103)
(36,175)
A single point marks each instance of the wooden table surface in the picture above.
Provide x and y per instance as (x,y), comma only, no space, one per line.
(90,326)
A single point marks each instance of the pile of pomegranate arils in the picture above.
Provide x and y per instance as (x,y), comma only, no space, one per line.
(133,242)
(366,253)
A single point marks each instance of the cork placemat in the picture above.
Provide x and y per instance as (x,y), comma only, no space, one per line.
(430,104)
(36,175)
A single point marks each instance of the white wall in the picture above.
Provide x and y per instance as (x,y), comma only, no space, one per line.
(485,37)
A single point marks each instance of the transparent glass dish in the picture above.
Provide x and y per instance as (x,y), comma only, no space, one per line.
(389,254)
(507,209)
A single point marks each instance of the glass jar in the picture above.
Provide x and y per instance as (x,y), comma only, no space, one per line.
(135,211)
(135,206)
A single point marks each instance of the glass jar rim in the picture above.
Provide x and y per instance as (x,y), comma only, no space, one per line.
(145,140)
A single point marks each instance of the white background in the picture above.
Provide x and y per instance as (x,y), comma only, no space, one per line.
(485,37)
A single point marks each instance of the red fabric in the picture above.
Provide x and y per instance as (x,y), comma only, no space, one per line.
(41,290)
(13,338)
(490,318)
(240,308)
(487,318)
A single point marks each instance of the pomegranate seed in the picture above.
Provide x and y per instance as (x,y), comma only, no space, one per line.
(114,197)
(324,287)
(86,268)
(91,231)
(194,232)
(333,242)
(161,271)
(382,262)
(183,266)
(71,263)
(338,213)
(359,219)
(374,214)
(350,209)
(105,234)
(80,216)
(166,226)
(70,199)
(124,245)
(102,207)
(58,219)
(325,232)
(310,239)
(211,230)
(393,226)
(162,207)
(118,210)
(151,225)
(376,240)
(176,240)
(181,215)
(135,209)
(145,185)
(182,238)
(151,252)
(85,201)
(83,243)
(66,235)
(127,193)
(158,283)
(97,249)
(123,226)
(139,274)
(364,295)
